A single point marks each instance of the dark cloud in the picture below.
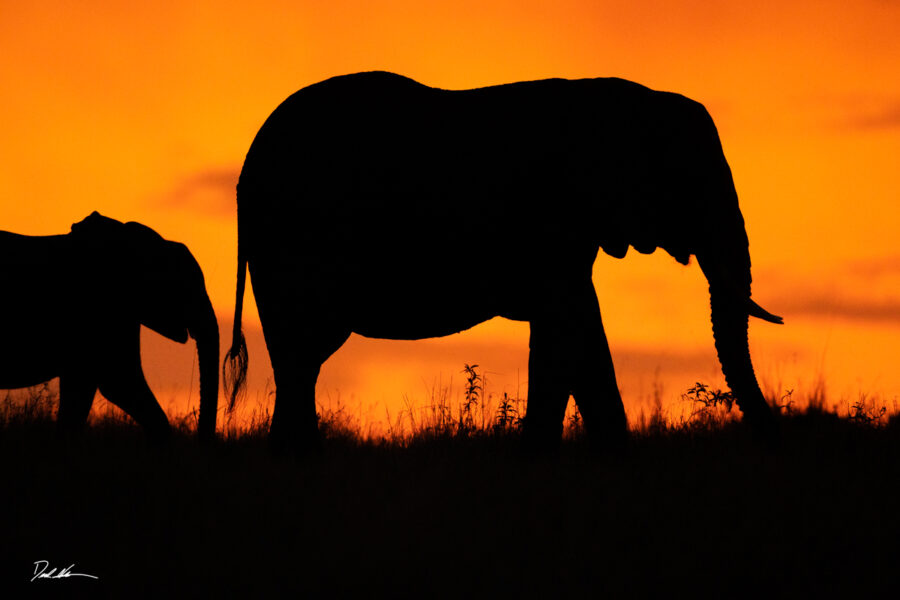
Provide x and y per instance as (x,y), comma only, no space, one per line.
(872,310)
(210,191)
(874,267)
(860,290)
(884,117)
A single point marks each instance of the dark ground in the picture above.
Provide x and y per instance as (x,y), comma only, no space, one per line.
(711,512)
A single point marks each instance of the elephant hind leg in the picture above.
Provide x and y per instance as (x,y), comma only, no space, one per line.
(295,423)
(76,396)
(549,383)
(296,364)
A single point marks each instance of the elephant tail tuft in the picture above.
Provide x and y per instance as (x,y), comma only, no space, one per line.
(234,368)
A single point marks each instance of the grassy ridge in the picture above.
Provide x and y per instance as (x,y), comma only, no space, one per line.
(454,511)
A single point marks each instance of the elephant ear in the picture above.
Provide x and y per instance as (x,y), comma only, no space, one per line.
(136,272)
(677,185)
(159,277)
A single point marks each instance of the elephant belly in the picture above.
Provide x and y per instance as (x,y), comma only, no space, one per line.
(27,365)
(413,311)
(421,294)
(31,340)
(413,324)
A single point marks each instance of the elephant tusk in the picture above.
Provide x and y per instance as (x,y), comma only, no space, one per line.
(755,310)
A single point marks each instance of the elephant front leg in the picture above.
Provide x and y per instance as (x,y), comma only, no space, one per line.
(569,354)
(122,382)
(594,384)
(76,396)
(134,396)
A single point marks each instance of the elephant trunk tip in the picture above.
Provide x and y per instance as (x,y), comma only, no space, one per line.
(234,370)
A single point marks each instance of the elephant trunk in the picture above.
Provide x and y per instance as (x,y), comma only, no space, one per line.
(728,274)
(206,333)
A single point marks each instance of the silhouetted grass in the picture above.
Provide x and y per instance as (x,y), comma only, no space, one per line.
(452,508)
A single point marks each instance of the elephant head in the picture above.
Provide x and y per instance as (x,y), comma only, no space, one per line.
(688,205)
(159,284)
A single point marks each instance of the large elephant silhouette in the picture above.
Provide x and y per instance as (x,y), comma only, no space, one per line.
(73,306)
(364,198)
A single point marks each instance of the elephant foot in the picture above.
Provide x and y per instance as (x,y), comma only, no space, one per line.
(159,436)
(206,438)
(67,434)
(540,441)
(612,442)
(285,445)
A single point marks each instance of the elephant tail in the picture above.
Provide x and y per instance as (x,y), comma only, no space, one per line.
(234,369)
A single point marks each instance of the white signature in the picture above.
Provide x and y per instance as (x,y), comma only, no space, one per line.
(41,571)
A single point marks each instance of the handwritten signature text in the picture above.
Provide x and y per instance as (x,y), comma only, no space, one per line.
(42,570)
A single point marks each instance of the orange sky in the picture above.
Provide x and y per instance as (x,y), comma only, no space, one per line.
(145,113)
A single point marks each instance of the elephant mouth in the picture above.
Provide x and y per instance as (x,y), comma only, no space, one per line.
(728,286)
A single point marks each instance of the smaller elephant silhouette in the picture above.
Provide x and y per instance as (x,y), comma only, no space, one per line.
(73,305)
